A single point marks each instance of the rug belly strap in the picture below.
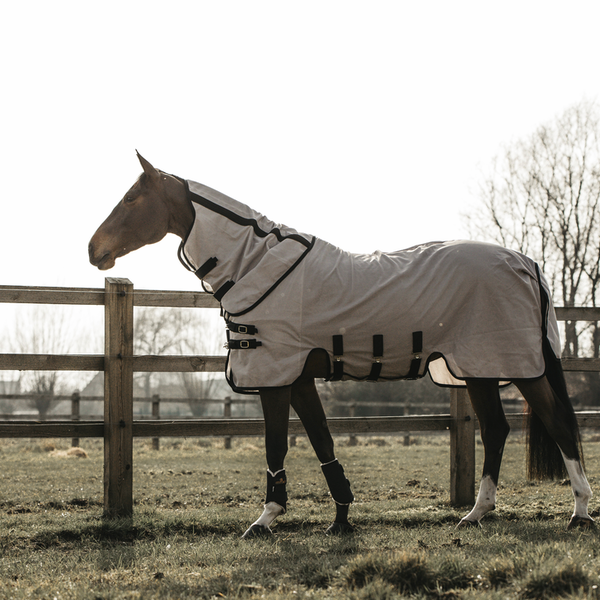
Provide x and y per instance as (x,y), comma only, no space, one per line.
(338,363)
(377,356)
(415,364)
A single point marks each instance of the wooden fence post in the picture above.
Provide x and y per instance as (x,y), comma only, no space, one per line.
(462,448)
(352,440)
(75,416)
(227,415)
(156,416)
(406,440)
(118,398)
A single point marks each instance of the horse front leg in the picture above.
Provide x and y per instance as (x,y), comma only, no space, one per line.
(276,409)
(485,398)
(307,404)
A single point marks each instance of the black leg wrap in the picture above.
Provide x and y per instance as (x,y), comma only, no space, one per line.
(276,491)
(339,486)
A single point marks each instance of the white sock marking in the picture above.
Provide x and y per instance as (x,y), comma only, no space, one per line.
(580,486)
(486,500)
(271,511)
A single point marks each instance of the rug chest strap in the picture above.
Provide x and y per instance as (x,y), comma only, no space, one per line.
(243,329)
(243,344)
(207,267)
(415,364)
(377,356)
(223,290)
(338,363)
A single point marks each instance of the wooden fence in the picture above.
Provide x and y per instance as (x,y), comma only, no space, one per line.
(118,427)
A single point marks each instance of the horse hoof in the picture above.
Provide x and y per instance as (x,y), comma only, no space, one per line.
(257,531)
(581,522)
(467,523)
(339,529)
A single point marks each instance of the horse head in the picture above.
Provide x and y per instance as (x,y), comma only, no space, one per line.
(154,206)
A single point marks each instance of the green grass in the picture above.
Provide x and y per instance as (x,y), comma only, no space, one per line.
(194,499)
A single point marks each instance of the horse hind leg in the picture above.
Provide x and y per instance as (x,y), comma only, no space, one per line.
(485,398)
(558,419)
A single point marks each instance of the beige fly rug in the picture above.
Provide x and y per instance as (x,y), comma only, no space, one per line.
(454,309)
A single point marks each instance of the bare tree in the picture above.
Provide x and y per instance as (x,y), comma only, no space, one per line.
(157,331)
(204,337)
(542,198)
(44,330)
(178,331)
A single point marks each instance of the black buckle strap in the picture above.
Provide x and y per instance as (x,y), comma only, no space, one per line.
(243,344)
(243,329)
(207,267)
(415,364)
(377,356)
(338,363)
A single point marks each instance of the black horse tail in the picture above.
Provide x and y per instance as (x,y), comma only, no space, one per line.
(545,460)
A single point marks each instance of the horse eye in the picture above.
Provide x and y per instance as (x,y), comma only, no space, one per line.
(128,199)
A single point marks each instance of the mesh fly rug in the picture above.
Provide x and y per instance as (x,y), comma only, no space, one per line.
(454,309)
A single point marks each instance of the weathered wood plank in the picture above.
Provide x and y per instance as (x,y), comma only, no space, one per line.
(337,425)
(94,296)
(581,364)
(462,448)
(249,426)
(55,429)
(118,398)
(175,299)
(179,364)
(51,362)
(16,294)
(51,295)
(578,313)
(94,362)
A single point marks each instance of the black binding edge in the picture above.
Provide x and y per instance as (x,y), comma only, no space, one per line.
(229,214)
(209,204)
(274,286)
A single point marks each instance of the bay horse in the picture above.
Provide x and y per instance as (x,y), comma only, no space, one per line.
(262,274)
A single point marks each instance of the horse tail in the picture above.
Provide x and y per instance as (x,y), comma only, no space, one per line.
(545,460)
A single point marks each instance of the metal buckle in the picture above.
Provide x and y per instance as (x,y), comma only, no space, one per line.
(242,329)
(244,344)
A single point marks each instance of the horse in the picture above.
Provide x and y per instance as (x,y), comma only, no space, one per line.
(253,267)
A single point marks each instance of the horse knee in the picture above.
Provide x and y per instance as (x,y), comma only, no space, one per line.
(494,438)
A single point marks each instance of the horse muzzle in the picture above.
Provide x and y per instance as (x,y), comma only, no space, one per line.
(104,260)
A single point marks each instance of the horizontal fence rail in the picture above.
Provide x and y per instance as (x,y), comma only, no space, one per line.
(118,428)
(219,427)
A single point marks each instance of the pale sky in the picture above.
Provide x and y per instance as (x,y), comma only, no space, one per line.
(366,123)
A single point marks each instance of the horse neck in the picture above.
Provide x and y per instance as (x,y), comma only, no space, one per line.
(181,212)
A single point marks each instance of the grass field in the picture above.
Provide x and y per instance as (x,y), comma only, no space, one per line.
(194,499)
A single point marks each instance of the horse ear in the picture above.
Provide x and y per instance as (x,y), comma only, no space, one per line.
(148,168)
